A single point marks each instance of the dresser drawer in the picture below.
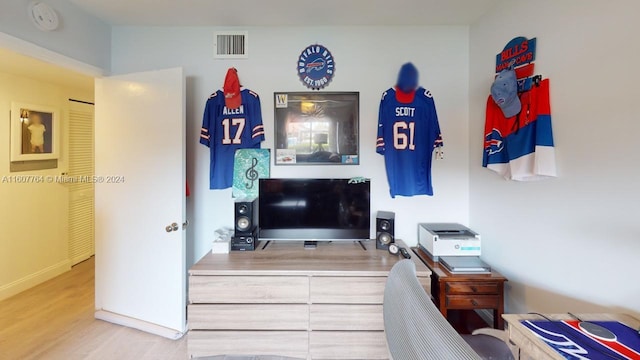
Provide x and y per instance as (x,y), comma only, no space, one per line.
(248,317)
(352,290)
(472,301)
(472,287)
(347,290)
(344,345)
(346,317)
(248,289)
(284,343)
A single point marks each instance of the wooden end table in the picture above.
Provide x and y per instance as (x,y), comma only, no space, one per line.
(465,291)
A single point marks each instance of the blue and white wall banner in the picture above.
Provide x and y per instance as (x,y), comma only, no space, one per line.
(316,67)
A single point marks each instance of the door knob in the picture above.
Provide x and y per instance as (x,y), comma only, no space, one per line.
(172,227)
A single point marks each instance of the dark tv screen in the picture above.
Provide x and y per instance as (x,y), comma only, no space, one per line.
(314,209)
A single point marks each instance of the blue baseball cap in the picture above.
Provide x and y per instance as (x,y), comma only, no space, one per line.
(504,92)
(407,78)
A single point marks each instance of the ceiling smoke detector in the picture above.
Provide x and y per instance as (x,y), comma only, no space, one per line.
(43,16)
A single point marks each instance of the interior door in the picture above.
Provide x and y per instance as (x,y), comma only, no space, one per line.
(140,201)
(81,193)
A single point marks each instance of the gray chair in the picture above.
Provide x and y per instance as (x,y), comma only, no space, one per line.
(247,357)
(416,330)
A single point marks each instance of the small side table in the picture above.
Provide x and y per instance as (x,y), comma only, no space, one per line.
(465,291)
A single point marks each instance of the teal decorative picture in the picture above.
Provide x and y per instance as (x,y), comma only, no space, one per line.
(249,165)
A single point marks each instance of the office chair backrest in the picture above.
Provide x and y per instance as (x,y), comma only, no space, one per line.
(414,327)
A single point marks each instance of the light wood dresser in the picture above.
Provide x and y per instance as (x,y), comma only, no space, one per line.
(324,303)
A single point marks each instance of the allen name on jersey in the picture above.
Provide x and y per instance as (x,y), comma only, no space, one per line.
(238,111)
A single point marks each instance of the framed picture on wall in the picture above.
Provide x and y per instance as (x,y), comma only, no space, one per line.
(35,132)
(314,128)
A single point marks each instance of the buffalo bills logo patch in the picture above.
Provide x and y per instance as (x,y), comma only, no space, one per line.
(493,142)
(316,67)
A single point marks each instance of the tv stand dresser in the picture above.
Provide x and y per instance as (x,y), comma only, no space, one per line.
(323,303)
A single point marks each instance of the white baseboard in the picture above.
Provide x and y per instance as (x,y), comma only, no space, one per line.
(138,324)
(78,259)
(34,279)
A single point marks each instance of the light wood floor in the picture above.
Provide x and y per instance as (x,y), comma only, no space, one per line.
(54,320)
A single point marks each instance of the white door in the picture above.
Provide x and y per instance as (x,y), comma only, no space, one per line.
(140,201)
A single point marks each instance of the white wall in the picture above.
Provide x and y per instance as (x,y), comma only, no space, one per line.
(81,36)
(33,217)
(571,243)
(367,60)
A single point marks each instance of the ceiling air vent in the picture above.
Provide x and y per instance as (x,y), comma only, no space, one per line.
(231,45)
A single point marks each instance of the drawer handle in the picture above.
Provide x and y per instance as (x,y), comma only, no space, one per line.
(474,302)
(474,289)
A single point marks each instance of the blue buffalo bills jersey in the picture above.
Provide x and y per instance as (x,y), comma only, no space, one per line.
(226,130)
(407,135)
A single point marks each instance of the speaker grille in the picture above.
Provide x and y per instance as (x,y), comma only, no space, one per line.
(385,225)
(385,238)
(243,223)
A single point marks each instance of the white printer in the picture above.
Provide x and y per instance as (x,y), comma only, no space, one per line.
(448,239)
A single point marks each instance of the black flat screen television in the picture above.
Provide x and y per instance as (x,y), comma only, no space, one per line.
(314,209)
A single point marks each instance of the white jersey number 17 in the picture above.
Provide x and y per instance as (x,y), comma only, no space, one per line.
(237,138)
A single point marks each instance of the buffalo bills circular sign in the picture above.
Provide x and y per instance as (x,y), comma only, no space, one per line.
(316,67)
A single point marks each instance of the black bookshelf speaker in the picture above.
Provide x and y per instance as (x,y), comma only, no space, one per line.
(246,217)
(385,226)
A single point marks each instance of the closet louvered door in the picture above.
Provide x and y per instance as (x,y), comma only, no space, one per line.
(81,191)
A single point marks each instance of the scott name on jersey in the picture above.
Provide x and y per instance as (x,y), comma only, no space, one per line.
(405,111)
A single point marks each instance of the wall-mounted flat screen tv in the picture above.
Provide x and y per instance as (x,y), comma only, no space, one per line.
(314,209)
